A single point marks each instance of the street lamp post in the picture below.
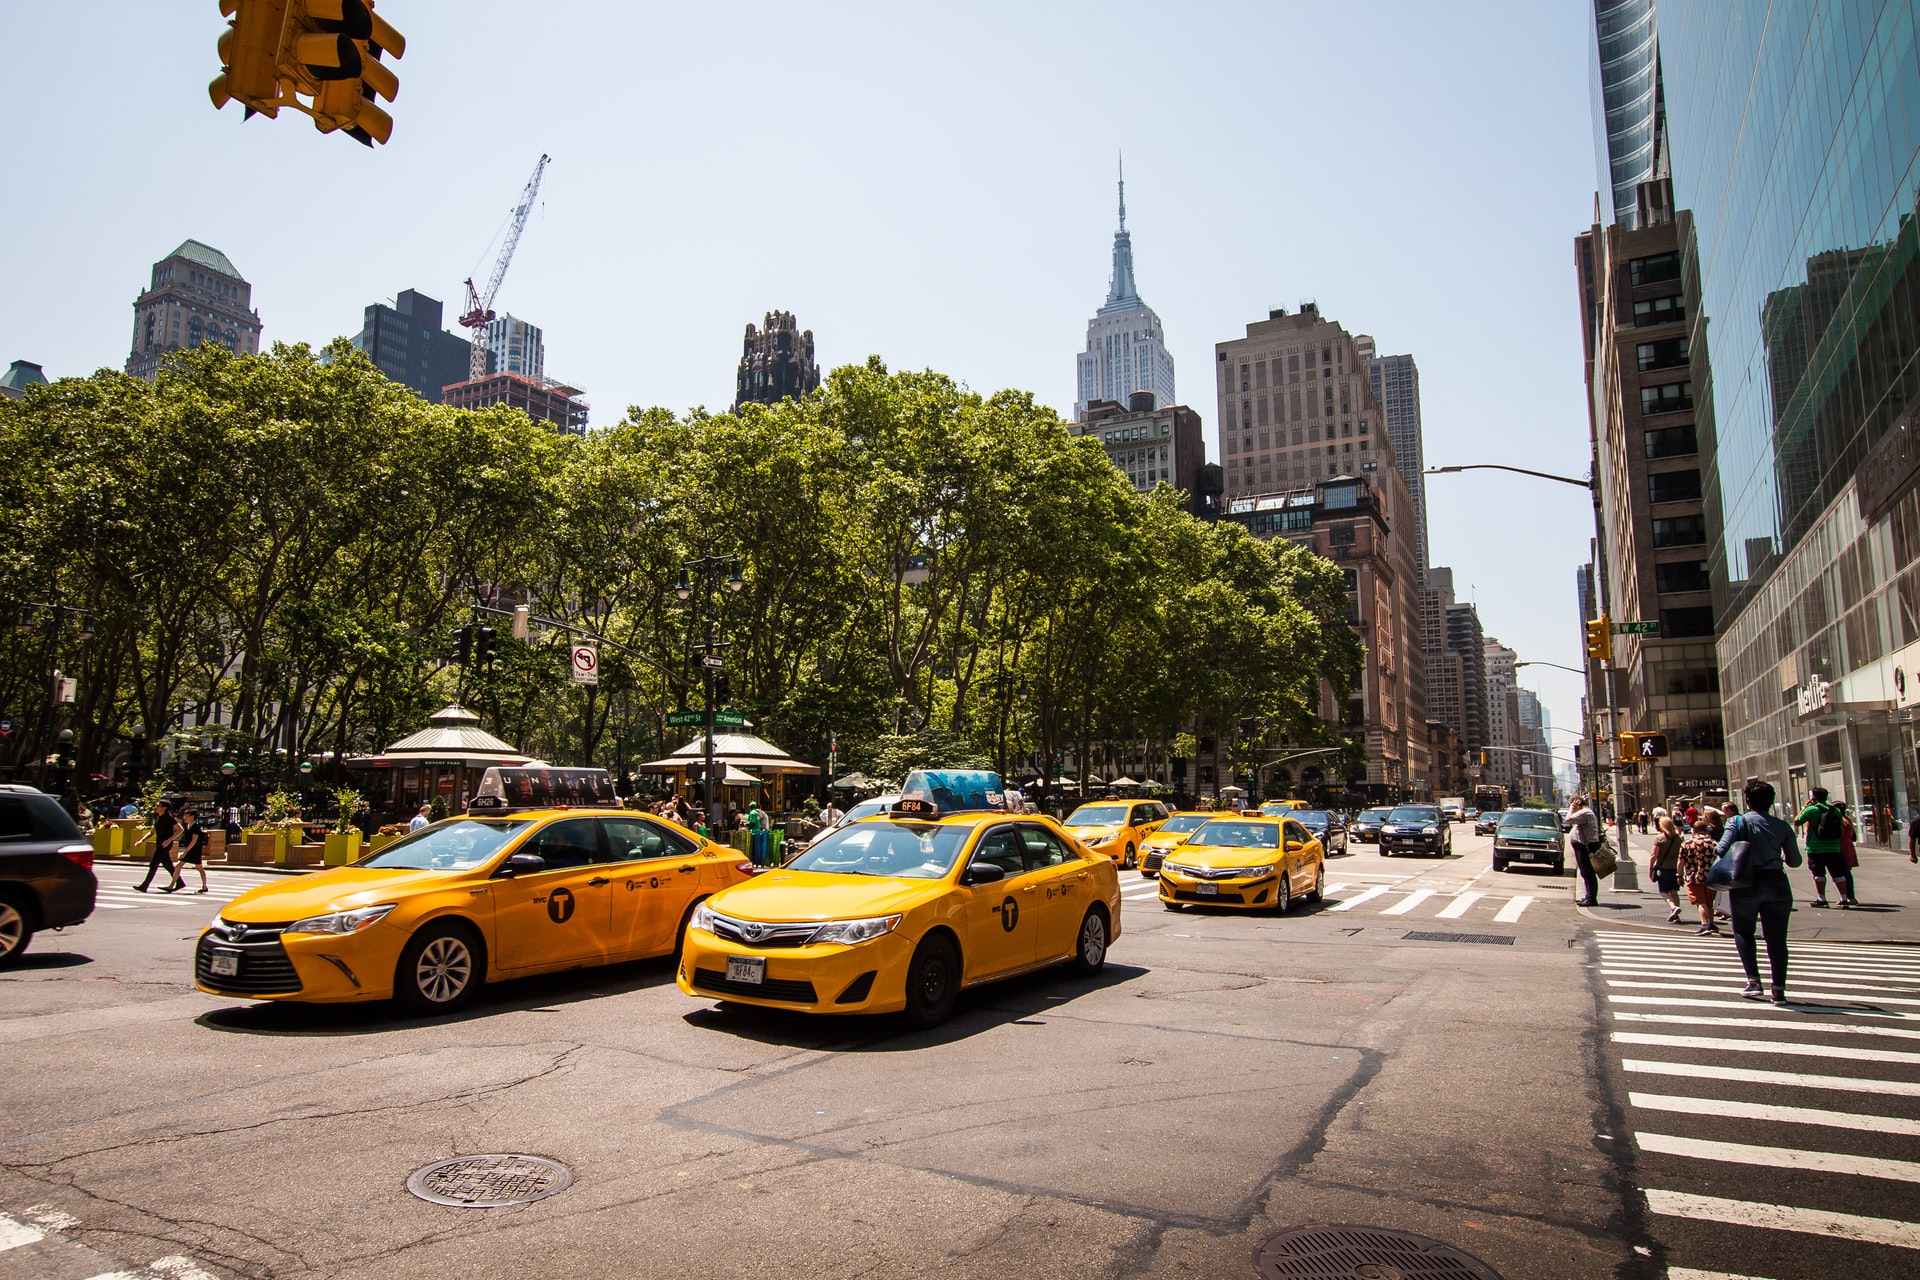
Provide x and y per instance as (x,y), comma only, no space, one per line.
(1624,877)
(702,577)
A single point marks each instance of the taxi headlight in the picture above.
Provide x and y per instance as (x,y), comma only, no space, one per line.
(702,918)
(1254,873)
(342,921)
(851,931)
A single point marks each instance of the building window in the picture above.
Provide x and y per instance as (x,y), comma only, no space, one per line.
(1678,624)
(1263,410)
(1654,268)
(1659,311)
(1243,378)
(1260,375)
(1672,397)
(1246,414)
(1680,531)
(1674,486)
(1668,353)
(1681,575)
(1671,442)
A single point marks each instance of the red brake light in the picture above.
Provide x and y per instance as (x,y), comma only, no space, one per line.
(748,868)
(81,855)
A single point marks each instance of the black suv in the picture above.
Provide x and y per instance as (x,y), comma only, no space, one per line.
(1416,828)
(46,869)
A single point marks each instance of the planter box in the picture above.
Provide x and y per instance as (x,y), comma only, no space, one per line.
(303,855)
(380,842)
(342,847)
(216,844)
(262,848)
(109,841)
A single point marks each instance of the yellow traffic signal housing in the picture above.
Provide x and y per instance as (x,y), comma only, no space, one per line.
(1600,639)
(319,57)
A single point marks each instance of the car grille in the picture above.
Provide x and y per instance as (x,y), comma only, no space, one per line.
(1188,895)
(1208,873)
(771,935)
(771,989)
(265,969)
(1153,860)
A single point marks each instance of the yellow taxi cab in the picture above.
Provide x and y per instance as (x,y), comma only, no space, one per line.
(898,913)
(1280,808)
(1117,828)
(1252,863)
(1168,835)
(523,884)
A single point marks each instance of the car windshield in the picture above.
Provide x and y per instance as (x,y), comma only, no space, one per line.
(1246,835)
(1183,822)
(1375,815)
(1541,818)
(866,809)
(460,845)
(1491,815)
(914,850)
(1098,815)
(1315,818)
(1412,813)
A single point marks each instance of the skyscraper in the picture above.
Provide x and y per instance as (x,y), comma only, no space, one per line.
(514,346)
(776,362)
(1126,348)
(1624,77)
(195,296)
(406,341)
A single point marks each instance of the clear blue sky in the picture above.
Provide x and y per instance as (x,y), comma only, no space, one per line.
(930,183)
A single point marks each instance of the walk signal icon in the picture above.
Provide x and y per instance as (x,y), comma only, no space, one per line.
(1637,748)
(1600,639)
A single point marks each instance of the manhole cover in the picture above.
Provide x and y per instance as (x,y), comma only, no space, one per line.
(1345,1252)
(1485,939)
(490,1182)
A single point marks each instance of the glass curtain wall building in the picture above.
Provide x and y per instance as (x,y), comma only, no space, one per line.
(1625,80)
(1793,129)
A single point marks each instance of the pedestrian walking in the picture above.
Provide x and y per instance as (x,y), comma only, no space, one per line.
(1767,898)
(1913,839)
(1696,857)
(1583,824)
(193,851)
(1826,826)
(421,819)
(1663,867)
(165,831)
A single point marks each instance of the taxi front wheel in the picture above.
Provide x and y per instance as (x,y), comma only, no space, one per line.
(1132,859)
(439,970)
(1090,954)
(933,983)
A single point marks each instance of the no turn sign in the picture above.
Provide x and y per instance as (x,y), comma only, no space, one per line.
(586,664)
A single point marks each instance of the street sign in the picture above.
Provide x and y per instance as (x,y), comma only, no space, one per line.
(1636,628)
(713,662)
(732,719)
(6,727)
(685,719)
(586,664)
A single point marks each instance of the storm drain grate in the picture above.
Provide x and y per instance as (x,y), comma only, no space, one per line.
(1486,939)
(1345,1252)
(490,1182)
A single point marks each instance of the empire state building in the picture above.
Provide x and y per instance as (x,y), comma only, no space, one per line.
(1126,349)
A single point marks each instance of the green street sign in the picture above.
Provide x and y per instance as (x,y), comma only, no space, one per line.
(732,719)
(1636,628)
(684,719)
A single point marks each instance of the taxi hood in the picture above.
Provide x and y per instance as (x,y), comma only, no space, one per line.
(335,889)
(1095,834)
(1227,855)
(789,895)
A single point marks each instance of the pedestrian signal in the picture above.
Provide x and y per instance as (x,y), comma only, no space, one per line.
(1600,639)
(1640,748)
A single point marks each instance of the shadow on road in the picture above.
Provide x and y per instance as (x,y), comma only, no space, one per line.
(49,960)
(521,995)
(1014,1002)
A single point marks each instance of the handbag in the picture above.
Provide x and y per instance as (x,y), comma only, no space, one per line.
(1734,868)
(1847,852)
(1603,859)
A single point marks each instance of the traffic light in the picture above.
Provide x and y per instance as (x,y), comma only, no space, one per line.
(483,646)
(696,773)
(1600,639)
(275,53)
(721,690)
(1640,748)
(463,645)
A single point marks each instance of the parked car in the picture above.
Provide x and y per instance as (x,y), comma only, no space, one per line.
(46,869)
(1484,823)
(1366,827)
(1328,827)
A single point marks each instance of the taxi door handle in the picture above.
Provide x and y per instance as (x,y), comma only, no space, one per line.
(688,868)
(1028,888)
(598,881)
(477,892)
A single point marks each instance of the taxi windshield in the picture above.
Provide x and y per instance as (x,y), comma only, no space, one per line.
(1183,822)
(913,850)
(1099,815)
(460,845)
(1245,835)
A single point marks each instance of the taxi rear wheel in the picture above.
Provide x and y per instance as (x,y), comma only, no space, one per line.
(933,983)
(1090,952)
(440,970)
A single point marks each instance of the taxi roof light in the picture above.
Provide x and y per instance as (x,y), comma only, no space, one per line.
(509,790)
(935,793)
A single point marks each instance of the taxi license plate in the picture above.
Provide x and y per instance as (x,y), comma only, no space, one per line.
(748,969)
(1207,890)
(226,964)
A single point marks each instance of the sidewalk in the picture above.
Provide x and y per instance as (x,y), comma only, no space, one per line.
(1887,884)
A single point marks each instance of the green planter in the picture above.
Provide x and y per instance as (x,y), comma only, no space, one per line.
(379,842)
(343,847)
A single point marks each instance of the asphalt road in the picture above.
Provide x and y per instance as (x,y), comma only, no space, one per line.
(1227,1077)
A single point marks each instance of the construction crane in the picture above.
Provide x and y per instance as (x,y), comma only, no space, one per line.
(479,313)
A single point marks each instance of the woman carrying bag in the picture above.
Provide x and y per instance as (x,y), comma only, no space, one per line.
(1754,855)
(1663,868)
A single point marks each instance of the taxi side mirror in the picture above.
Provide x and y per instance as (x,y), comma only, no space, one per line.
(983,873)
(521,864)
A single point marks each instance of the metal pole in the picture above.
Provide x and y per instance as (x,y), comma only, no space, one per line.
(1624,877)
(706,607)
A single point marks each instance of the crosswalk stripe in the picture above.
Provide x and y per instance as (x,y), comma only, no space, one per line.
(1896,951)
(178,1268)
(1753,1075)
(1694,1273)
(1825,964)
(1777,1217)
(1458,907)
(1724,946)
(1667,1144)
(1744,1006)
(1348,904)
(1510,914)
(1798,993)
(1341,887)
(1408,903)
(14,1233)
(1773,1113)
(1785,1048)
(1770,1024)
(1734,972)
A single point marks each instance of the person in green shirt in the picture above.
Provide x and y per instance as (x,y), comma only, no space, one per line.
(757,840)
(1825,821)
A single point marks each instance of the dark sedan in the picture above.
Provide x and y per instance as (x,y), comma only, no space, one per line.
(1329,828)
(46,869)
(1366,827)
(1416,828)
(1484,824)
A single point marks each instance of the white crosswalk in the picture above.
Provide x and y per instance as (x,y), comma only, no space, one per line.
(1714,1083)
(117,893)
(33,1242)
(1357,892)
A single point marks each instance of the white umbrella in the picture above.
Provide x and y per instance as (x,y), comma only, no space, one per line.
(1124,782)
(1233,791)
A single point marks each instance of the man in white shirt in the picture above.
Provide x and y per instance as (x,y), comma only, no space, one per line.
(421,819)
(831,814)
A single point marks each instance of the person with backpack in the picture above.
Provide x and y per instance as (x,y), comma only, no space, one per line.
(1826,827)
(1766,899)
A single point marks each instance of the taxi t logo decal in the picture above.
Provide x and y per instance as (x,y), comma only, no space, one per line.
(560,905)
(1009,914)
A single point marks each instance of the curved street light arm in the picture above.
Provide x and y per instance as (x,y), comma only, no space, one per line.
(1497,466)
